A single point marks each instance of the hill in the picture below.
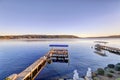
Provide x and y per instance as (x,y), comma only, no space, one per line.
(36,36)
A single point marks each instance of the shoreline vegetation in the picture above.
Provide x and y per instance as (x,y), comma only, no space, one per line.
(110,72)
(7,37)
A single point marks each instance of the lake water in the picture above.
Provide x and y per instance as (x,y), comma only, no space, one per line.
(16,55)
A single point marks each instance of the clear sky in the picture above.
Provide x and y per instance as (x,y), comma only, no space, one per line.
(72,17)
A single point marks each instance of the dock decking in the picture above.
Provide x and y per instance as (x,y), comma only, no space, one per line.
(59,55)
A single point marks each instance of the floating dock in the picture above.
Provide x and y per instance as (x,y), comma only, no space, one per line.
(59,55)
(110,49)
(31,72)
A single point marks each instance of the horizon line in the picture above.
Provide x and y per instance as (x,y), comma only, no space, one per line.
(60,34)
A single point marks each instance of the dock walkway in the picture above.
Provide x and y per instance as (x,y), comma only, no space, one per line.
(31,72)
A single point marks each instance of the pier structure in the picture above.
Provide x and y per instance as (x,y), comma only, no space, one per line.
(59,55)
(110,49)
(31,72)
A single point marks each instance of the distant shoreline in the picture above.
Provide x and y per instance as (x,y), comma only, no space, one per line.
(36,37)
(20,37)
(111,36)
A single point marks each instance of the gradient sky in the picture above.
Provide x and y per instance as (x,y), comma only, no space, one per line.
(76,17)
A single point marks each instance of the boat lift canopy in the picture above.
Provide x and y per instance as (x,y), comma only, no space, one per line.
(58,45)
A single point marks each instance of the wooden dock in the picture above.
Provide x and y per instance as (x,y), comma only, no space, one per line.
(110,49)
(59,55)
(34,69)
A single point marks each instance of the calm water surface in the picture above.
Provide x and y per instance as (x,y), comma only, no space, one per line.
(16,55)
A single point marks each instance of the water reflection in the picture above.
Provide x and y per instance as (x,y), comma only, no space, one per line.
(60,60)
(100,53)
(59,56)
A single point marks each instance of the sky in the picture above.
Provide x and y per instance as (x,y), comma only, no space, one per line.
(83,18)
